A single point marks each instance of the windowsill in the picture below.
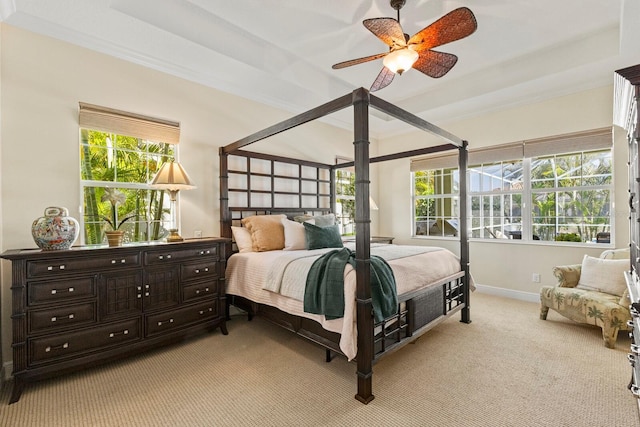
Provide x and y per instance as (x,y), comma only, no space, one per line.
(589,245)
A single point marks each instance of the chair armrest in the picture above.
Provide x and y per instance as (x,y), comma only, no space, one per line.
(567,275)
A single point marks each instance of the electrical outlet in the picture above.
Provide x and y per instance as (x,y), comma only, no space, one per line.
(535,278)
(197,234)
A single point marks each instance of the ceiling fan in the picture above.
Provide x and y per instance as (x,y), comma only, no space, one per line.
(415,52)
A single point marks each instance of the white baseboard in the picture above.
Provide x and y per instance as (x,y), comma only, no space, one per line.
(507,293)
(6,371)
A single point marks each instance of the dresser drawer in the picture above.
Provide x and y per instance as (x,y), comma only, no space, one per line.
(52,267)
(199,270)
(199,291)
(73,344)
(62,316)
(169,255)
(61,290)
(167,321)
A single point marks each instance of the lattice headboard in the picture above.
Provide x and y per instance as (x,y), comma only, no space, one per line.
(260,184)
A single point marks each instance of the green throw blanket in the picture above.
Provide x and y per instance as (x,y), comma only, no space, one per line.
(324,291)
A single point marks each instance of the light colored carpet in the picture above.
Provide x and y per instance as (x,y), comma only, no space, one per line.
(506,368)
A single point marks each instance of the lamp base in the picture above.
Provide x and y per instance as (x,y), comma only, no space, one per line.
(174,236)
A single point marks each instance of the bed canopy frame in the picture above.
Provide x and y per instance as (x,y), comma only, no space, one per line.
(361,101)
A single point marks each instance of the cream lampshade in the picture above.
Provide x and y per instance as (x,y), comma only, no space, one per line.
(172,177)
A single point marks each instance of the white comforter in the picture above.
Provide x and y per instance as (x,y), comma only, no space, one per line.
(277,278)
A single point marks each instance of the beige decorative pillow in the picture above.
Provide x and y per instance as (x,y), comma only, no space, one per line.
(242,237)
(294,235)
(603,275)
(267,232)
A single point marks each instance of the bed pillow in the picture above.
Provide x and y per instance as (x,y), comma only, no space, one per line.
(294,235)
(302,218)
(322,237)
(324,220)
(267,232)
(242,237)
(603,275)
(319,220)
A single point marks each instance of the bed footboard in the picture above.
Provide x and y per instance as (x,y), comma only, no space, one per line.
(418,312)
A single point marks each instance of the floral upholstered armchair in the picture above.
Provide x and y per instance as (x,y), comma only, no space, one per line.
(593,292)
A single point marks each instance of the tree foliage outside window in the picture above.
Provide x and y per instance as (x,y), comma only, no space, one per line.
(571,195)
(435,202)
(346,201)
(568,198)
(125,164)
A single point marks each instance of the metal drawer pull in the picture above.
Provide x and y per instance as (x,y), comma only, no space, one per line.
(198,290)
(51,267)
(206,269)
(635,349)
(632,359)
(207,252)
(113,334)
(635,390)
(203,311)
(55,291)
(55,318)
(59,347)
(630,324)
(164,321)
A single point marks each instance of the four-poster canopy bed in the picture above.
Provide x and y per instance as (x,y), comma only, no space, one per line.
(419,309)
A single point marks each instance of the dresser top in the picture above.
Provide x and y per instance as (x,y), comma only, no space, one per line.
(85,250)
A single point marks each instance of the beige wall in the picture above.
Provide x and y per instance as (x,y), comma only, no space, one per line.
(42,81)
(509,264)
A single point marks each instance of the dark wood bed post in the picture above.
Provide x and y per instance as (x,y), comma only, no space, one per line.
(464,231)
(363,239)
(225,213)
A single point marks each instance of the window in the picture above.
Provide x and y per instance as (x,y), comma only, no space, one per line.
(436,202)
(118,158)
(555,189)
(345,181)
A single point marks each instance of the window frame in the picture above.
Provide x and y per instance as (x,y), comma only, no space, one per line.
(114,150)
(594,142)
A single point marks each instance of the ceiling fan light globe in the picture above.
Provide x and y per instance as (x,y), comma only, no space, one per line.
(400,60)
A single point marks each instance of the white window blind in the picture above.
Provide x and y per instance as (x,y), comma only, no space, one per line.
(580,141)
(129,124)
(598,139)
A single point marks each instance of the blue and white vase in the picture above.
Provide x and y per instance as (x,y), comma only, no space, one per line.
(56,230)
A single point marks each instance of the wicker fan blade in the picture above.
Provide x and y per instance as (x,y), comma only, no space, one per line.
(386,29)
(435,64)
(453,26)
(383,80)
(358,61)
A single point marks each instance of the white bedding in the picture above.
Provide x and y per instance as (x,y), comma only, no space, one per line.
(277,278)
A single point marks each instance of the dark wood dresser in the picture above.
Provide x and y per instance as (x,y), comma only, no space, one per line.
(626,115)
(74,308)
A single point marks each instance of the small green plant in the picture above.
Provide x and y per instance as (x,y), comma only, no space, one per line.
(568,237)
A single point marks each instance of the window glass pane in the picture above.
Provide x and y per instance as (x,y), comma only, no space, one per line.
(569,198)
(345,201)
(122,166)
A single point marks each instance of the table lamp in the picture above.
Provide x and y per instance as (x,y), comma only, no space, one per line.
(172,178)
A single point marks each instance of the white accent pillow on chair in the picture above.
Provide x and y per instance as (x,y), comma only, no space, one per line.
(603,275)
